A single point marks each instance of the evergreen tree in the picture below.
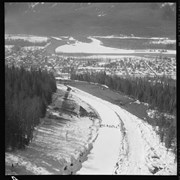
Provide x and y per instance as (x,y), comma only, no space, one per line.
(27,95)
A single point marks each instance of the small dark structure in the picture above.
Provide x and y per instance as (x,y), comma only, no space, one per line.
(68,88)
(82,111)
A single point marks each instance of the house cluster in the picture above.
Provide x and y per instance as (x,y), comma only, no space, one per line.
(117,65)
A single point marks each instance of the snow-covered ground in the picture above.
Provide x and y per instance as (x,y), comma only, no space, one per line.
(57,142)
(164,41)
(132,148)
(32,47)
(131,37)
(8,46)
(120,143)
(104,155)
(26,37)
(96,46)
(155,114)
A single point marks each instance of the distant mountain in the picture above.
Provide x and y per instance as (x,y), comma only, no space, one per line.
(85,19)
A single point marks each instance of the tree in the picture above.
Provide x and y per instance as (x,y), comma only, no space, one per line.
(27,96)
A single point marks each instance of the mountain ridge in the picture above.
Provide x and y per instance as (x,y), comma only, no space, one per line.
(84,19)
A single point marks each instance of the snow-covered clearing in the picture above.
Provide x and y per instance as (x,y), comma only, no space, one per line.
(8,46)
(25,37)
(133,148)
(96,46)
(131,37)
(32,48)
(155,114)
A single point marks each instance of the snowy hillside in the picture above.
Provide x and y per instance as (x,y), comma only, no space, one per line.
(139,151)
(117,143)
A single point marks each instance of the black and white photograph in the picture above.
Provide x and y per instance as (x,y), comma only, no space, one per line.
(90,88)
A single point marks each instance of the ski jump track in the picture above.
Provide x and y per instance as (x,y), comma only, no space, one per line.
(126,144)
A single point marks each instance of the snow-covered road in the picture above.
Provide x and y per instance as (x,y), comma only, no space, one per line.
(125,145)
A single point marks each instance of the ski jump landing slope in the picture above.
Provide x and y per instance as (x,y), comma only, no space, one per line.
(125,144)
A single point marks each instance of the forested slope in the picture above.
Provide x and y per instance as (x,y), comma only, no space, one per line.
(27,94)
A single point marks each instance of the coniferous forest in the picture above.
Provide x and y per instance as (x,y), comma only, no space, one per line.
(27,94)
(161,95)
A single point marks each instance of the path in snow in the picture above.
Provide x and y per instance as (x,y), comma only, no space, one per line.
(132,148)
